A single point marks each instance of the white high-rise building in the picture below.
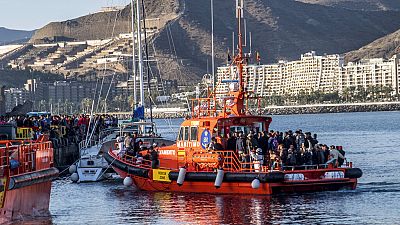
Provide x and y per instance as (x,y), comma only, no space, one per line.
(326,73)
(308,74)
(370,72)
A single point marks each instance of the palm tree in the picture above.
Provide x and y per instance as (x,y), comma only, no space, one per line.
(346,93)
(389,92)
(86,103)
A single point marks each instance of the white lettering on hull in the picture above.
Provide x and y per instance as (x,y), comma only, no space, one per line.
(166,152)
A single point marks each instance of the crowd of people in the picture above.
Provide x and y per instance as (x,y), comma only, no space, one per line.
(288,149)
(76,126)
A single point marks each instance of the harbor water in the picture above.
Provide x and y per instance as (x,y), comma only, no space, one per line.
(371,141)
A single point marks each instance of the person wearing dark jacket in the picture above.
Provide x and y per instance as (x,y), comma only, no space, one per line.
(231,143)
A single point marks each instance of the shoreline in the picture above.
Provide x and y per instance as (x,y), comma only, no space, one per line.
(307,109)
(332,108)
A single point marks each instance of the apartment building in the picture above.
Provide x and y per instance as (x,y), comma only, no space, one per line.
(308,74)
(15,97)
(254,79)
(67,91)
(370,72)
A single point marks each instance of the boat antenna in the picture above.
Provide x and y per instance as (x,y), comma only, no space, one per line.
(239,61)
(147,64)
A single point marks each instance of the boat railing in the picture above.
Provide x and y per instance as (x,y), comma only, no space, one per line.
(232,163)
(4,162)
(231,160)
(25,156)
(203,107)
(306,167)
(86,144)
(139,162)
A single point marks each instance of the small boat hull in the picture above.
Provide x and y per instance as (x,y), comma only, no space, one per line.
(26,202)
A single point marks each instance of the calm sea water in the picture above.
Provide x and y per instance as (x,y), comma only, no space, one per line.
(371,141)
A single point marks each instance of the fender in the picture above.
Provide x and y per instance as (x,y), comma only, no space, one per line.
(272,177)
(353,173)
(36,177)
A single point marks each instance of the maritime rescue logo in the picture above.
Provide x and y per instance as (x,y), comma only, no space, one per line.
(205,138)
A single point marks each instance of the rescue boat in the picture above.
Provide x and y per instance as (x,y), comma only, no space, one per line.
(189,166)
(26,172)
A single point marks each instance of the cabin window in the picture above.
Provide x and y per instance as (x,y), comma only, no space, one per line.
(193,133)
(186,135)
(180,136)
(243,129)
(258,126)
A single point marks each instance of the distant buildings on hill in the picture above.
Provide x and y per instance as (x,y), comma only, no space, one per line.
(70,94)
(327,73)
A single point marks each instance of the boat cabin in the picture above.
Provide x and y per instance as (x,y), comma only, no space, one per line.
(143,129)
(195,134)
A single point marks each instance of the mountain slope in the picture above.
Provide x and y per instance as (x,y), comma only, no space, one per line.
(358,4)
(281,29)
(9,35)
(104,25)
(384,47)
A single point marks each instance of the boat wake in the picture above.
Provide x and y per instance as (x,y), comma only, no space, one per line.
(379,187)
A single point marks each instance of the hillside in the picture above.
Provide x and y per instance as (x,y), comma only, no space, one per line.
(12,78)
(281,29)
(9,35)
(384,47)
(104,24)
(358,4)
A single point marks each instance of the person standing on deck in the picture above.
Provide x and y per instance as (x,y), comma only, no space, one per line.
(240,144)
(335,154)
(231,143)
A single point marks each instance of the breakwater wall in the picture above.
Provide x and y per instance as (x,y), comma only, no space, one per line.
(332,108)
(296,109)
(65,152)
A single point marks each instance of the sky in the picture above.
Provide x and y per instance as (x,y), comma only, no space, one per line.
(34,14)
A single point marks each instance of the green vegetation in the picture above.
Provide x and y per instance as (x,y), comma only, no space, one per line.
(349,95)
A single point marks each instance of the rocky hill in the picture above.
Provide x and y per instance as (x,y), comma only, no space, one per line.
(104,25)
(384,47)
(9,35)
(359,4)
(281,29)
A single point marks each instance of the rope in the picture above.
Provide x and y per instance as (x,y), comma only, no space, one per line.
(108,167)
(69,167)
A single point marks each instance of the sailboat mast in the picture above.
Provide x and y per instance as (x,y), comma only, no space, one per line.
(133,54)
(212,45)
(140,56)
(148,65)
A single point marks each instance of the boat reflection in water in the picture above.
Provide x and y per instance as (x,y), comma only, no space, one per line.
(188,208)
(191,208)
